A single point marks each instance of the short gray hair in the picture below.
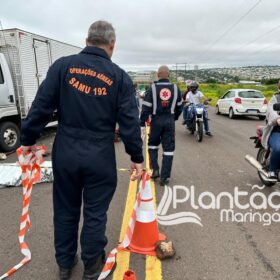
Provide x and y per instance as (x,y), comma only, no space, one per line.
(101,33)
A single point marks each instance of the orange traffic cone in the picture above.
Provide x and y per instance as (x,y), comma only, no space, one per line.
(146,233)
(129,275)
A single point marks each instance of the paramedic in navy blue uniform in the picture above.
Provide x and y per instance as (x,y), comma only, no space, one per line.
(91,94)
(163,102)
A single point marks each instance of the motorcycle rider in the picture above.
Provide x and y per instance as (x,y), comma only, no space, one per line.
(271,135)
(194,96)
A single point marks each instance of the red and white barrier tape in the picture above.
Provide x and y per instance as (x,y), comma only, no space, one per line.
(111,260)
(31,173)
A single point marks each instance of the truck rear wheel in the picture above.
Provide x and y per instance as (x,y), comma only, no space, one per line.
(9,136)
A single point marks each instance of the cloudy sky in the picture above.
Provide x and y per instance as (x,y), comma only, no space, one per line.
(209,33)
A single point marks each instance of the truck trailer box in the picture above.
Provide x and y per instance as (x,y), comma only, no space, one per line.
(24,61)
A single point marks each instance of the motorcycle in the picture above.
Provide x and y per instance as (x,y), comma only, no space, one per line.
(261,163)
(195,119)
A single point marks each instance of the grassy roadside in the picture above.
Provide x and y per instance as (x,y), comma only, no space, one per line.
(215,91)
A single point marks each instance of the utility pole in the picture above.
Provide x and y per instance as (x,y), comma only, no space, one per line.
(182,66)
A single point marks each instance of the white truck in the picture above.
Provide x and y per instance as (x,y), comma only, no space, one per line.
(24,61)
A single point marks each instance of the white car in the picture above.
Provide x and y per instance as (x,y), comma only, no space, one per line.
(242,102)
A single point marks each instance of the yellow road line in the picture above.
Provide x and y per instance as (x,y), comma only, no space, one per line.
(124,256)
(153,264)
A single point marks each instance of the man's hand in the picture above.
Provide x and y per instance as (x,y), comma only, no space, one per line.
(143,133)
(26,149)
(136,170)
(278,121)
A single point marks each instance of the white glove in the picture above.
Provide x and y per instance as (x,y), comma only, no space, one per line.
(143,132)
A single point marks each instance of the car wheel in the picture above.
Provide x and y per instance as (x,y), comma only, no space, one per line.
(262,118)
(9,137)
(231,114)
(217,111)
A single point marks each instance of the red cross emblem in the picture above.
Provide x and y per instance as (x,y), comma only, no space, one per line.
(165,94)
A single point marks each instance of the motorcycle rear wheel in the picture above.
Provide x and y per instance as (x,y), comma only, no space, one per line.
(261,158)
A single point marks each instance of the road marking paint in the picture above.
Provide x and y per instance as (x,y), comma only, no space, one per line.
(153,264)
(123,257)
(153,268)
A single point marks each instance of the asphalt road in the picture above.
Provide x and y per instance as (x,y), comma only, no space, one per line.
(215,251)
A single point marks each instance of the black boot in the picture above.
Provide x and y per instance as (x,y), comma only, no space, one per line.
(92,272)
(65,273)
(164,181)
(155,174)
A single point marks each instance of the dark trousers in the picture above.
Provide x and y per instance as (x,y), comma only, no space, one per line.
(186,116)
(274,143)
(185,113)
(84,171)
(162,132)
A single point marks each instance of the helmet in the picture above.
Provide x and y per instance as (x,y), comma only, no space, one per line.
(194,86)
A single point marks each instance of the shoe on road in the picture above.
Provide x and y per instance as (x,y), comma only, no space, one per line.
(164,181)
(65,273)
(93,272)
(272,175)
(208,133)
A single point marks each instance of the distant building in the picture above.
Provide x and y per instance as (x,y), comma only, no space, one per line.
(143,78)
(154,76)
(195,67)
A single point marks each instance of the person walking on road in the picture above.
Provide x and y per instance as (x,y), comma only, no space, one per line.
(91,94)
(163,102)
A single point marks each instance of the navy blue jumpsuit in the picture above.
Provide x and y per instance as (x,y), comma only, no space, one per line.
(163,102)
(91,94)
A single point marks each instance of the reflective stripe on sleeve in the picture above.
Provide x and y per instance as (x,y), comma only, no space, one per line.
(154,91)
(174,99)
(146,103)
